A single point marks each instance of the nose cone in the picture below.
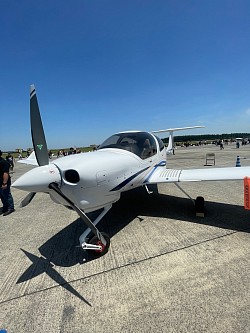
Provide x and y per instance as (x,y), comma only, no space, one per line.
(38,179)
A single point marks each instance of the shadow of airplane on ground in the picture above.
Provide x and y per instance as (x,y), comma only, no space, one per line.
(63,250)
(42,265)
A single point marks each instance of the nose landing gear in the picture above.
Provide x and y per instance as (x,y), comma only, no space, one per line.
(100,243)
(104,247)
(98,247)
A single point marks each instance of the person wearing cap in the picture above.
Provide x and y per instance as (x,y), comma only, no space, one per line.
(5,182)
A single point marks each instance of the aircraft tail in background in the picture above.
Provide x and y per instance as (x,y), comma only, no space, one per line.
(171,135)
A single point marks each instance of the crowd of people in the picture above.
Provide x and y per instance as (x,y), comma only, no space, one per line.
(71,151)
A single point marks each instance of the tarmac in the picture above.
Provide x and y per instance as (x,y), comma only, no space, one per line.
(166,271)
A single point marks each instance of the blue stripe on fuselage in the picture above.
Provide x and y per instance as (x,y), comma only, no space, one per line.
(162,163)
(126,181)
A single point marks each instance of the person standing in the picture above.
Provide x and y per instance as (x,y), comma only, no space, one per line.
(5,193)
(10,160)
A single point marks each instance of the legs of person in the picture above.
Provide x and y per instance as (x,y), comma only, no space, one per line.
(10,201)
(4,198)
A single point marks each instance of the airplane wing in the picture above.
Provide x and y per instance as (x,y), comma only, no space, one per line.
(163,175)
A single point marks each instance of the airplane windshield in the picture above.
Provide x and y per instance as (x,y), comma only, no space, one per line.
(140,143)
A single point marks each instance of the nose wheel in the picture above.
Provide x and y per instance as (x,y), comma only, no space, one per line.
(104,247)
(96,246)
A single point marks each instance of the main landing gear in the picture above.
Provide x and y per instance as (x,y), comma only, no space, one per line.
(200,207)
(199,203)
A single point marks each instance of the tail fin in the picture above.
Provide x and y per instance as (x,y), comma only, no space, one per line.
(171,135)
(170,142)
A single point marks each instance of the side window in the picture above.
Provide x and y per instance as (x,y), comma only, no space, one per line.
(161,144)
(127,143)
(141,144)
(148,147)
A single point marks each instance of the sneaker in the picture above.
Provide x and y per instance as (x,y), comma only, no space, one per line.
(8,212)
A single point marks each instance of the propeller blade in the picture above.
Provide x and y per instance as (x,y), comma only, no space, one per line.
(27,199)
(37,132)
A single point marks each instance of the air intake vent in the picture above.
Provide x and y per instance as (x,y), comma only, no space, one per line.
(72,176)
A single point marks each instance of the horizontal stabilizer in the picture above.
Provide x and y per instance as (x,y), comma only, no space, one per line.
(171,135)
(177,129)
(30,160)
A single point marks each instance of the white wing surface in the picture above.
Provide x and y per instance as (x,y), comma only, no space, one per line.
(163,175)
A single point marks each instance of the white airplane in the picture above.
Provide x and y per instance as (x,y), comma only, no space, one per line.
(92,181)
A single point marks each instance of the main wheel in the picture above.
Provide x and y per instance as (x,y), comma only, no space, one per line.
(199,207)
(96,241)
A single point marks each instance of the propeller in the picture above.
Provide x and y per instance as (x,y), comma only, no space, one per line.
(37,132)
(46,176)
(38,139)
(27,199)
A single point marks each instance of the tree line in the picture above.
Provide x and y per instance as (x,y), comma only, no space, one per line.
(208,137)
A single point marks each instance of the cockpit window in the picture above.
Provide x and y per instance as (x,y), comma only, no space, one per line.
(140,143)
(161,144)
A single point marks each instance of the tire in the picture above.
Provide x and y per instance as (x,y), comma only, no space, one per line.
(96,241)
(200,207)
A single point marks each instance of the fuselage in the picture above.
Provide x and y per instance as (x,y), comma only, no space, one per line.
(95,179)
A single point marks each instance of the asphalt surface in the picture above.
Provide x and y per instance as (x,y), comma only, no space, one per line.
(167,270)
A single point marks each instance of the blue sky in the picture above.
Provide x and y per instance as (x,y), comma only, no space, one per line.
(101,67)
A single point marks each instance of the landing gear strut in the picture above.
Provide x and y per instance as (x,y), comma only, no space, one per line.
(198,203)
(100,243)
